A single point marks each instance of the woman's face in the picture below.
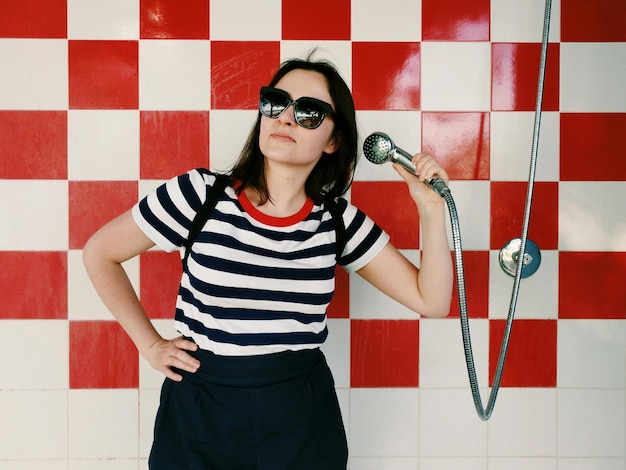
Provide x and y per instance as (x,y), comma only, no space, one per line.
(282,140)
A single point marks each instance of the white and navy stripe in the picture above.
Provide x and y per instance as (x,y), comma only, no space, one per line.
(255,284)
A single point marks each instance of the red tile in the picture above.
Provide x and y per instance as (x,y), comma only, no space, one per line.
(375,199)
(340,305)
(33,285)
(93,203)
(531,356)
(455,20)
(600,20)
(591,285)
(235,86)
(515,72)
(476,267)
(159,278)
(384,353)
(459,141)
(320,20)
(507,213)
(102,356)
(103,75)
(172,142)
(33,144)
(33,19)
(395,82)
(173,19)
(588,134)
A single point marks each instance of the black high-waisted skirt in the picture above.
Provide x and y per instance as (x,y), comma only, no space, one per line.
(270,412)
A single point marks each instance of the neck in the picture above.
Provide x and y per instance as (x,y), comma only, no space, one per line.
(286,190)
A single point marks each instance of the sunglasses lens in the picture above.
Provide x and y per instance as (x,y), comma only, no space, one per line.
(273,104)
(309,114)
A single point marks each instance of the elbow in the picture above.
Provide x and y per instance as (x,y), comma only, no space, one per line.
(439,309)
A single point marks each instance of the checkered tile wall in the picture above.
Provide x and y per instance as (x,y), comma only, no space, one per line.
(102,101)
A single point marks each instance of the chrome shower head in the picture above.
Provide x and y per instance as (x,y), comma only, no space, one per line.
(378,148)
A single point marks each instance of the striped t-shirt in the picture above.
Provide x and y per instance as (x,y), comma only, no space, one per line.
(255,284)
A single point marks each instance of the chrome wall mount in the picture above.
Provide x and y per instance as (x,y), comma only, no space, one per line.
(510,255)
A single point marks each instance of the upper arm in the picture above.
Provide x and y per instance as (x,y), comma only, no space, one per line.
(117,241)
(394,275)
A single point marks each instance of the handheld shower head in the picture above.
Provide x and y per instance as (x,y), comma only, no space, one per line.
(378,148)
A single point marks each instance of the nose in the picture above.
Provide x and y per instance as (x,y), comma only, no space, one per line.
(288,115)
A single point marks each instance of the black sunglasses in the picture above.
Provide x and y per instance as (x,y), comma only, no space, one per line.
(309,112)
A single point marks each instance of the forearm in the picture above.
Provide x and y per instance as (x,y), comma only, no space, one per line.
(436,275)
(117,293)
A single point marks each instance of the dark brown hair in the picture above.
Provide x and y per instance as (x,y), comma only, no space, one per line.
(332,175)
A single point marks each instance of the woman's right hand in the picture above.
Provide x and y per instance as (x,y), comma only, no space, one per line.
(164,354)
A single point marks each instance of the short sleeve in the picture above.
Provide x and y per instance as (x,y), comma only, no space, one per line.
(165,215)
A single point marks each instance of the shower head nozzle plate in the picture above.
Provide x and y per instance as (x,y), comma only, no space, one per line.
(378,148)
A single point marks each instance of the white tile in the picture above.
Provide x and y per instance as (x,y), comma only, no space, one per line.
(453,463)
(592,464)
(103,145)
(83,300)
(593,76)
(523,463)
(42,347)
(590,218)
(537,294)
(405,129)
(515,21)
(343,397)
(511,146)
(174,75)
(34,74)
(42,203)
(592,354)
(236,124)
(33,425)
(449,425)
(524,423)
(338,53)
(383,422)
(48,464)
(366,302)
(93,19)
(103,464)
(103,424)
(383,463)
(456,76)
(261,21)
(147,186)
(472,200)
(337,350)
(442,353)
(591,423)
(392,20)
(148,406)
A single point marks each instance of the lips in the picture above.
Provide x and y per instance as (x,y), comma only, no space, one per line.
(282,136)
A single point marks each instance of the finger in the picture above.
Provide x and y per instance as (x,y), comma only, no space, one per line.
(182,360)
(185,344)
(170,374)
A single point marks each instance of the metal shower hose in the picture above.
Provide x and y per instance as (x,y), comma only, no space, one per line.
(483,413)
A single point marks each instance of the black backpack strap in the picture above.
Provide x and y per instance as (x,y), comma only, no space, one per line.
(213,194)
(340,229)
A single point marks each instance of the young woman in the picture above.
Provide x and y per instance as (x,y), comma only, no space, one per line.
(247,386)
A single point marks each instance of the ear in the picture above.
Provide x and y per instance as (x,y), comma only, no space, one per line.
(332,146)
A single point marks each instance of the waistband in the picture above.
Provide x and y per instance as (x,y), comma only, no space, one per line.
(254,371)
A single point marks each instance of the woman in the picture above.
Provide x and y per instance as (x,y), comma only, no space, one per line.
(246,384)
